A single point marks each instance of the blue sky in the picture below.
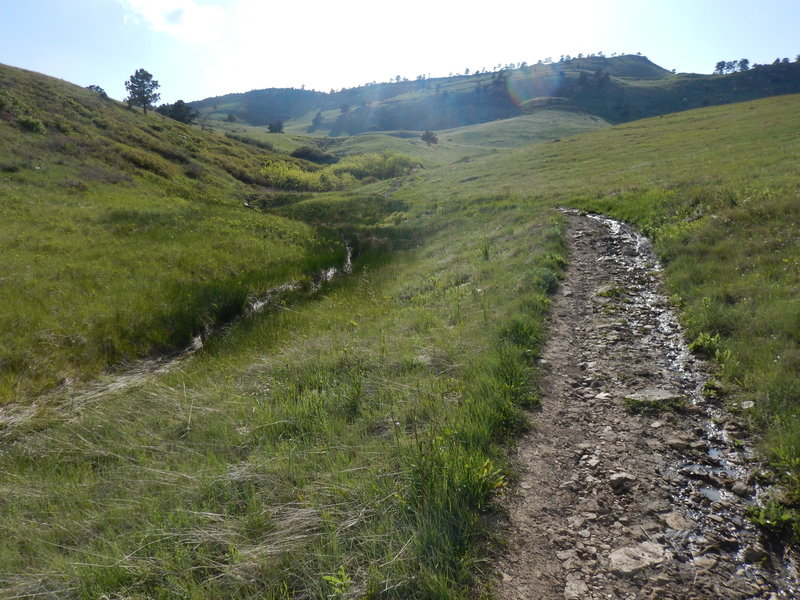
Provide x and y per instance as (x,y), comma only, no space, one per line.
(202,48)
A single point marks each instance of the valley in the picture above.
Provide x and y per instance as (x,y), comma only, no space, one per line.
(457,414)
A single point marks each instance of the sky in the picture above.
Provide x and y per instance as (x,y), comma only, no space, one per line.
(203,48)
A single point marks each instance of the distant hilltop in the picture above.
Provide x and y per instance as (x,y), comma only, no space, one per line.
(617,89)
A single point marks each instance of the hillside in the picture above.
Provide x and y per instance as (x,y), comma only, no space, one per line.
(616,89)
(125,234)
(458,143)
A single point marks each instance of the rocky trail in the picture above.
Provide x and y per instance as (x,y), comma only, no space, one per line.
(632,483)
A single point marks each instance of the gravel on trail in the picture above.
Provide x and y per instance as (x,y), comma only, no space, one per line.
(631,482)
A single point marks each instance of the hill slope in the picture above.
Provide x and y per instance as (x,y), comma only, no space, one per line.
(717,190)
(124,233)
(616,89)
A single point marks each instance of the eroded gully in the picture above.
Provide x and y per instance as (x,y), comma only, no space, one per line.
(66,401)
(615,504)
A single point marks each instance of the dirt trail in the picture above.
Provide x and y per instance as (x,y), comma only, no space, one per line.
(618,504)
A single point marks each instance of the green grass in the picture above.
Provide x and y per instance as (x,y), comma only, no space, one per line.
(748,146)
(717,190)
(352,442)
(352,445)
(474,140)
(454,144)
(347,443)
(124,234)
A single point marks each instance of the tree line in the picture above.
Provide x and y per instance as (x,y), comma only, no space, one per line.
(725,67)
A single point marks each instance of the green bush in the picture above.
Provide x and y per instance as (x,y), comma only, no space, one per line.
(147,162)
(314,155)
(379,166)
(706,344)
(32,124)
(286,175)
(251,141)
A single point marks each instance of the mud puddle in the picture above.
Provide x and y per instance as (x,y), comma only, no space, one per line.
(632,482)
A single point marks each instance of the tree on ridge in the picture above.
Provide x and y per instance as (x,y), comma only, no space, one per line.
(142,90)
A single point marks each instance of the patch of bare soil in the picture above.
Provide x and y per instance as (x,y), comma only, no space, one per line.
(630,484)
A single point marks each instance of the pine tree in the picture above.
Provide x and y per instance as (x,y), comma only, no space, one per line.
(142,90)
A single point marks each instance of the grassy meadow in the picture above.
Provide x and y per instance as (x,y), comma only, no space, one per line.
(348,446)
(347,443)
(717,191)
(125,234)
(454,144)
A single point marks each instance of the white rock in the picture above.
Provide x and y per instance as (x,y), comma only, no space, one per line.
(630,560)
(655,395)
(575,588)
(705,563)
(678,522)
(566,555)
(621,482)
(740,488)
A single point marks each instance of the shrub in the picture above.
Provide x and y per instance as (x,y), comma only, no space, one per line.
(98,90)
(251,141)
(148,162)
(32,124)
(289,176)
(706,344)
(194,170)
(314,155)
(285,175)
(379,166)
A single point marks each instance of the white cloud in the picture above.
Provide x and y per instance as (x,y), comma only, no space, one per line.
(239,45)
(186,20)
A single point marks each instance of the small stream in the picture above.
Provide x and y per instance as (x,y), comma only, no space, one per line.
(71,401)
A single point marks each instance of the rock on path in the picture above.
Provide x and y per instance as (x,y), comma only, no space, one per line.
(625,481)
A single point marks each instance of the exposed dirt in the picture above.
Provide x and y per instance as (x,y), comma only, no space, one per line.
(631,484)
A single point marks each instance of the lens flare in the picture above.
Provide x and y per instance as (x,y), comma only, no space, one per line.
(523,86)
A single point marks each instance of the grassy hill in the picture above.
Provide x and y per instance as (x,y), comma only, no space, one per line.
(352,443)
(616,89)
(125,233)
(458,143)
(717,190)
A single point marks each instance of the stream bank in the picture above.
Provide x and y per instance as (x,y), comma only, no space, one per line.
(68,400)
